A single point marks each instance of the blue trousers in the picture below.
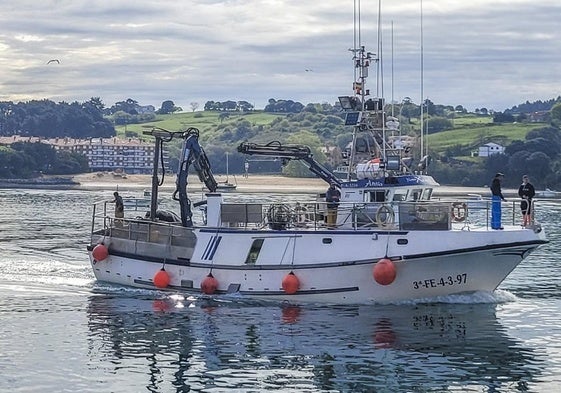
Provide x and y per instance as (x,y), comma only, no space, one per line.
(495,212)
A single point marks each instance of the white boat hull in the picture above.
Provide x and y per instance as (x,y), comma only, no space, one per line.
(457,264)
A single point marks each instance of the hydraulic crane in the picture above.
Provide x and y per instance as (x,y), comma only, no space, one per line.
(290,152)
(192,154)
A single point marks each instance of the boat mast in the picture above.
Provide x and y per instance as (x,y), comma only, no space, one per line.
(369,114)
(392,77)
(356,43)
(422,92)
(380,79)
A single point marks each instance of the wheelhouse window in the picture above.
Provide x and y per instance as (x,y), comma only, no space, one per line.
(427,193)
(415,194)
(400,195)
(377,196)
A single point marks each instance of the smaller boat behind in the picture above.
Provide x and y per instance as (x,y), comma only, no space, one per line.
(138,202)
(227,185)
(548,193)
(476,201)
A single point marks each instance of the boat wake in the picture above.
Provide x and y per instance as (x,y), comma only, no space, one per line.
(164,301)
(48,276)
(478,297)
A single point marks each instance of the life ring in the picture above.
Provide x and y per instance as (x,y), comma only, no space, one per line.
(459,211)
(384,216)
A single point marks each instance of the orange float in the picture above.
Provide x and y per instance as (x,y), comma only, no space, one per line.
(290,283)
(161,279)
(384,271)
(209,285)
(100,252)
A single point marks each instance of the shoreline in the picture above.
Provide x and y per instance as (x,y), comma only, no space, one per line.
(251,184)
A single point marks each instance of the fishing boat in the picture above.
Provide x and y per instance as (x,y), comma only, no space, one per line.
(548,193)
(138,202)
(226,185)
(477,201)
(389,241)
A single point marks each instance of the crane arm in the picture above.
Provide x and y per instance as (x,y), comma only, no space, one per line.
(290,152)
(191,154)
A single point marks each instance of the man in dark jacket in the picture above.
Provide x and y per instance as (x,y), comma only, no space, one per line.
(119,209)
(526,191)
(497,197)
(332,197)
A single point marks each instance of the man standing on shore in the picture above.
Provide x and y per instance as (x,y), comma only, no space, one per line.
(496,199)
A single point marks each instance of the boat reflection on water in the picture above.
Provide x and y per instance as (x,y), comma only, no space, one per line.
(193,344)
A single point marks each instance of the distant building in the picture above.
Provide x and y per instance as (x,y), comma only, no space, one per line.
(489,149)
(129,155)
(539,117)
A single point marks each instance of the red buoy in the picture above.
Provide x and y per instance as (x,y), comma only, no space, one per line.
(384,271)
(290,283)
(209,285)
(100,252)
(161,279)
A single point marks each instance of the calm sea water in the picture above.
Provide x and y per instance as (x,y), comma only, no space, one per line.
(60,331)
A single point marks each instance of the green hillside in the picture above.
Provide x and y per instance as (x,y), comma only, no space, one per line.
(206,121)
(319,126)
(470,133)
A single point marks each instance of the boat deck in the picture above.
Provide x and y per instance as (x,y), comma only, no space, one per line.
(401,216)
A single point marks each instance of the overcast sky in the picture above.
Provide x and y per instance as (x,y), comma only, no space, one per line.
(492,54)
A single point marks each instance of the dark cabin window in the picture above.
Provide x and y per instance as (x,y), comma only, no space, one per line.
(377,196)
(254,251)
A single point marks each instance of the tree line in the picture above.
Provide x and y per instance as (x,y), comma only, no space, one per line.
(26,159)
(317,124)
(45,118)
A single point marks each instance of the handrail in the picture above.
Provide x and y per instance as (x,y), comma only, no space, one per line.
(420,215)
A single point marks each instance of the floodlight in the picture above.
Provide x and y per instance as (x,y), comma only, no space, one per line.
(346,102)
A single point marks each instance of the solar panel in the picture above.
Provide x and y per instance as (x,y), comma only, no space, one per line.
(352,118)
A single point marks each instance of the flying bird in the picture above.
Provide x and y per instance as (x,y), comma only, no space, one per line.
(53,61)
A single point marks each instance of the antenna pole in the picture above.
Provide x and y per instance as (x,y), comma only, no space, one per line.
(422,92)
(392,73)
(379,51)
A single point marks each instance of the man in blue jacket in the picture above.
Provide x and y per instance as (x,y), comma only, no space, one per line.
(496,199)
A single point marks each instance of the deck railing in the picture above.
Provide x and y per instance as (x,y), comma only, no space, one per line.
(403,216)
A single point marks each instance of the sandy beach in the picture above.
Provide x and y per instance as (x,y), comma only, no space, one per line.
(256,183)
(253,183)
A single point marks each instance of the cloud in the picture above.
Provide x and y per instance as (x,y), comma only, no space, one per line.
(477,54)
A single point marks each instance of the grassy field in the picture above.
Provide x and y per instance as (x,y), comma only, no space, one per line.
(201,120)
(472,135)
